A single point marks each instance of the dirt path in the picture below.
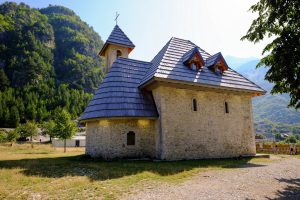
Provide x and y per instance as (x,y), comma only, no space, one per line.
(274,180)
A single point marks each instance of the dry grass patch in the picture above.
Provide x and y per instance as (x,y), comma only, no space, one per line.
(43,172)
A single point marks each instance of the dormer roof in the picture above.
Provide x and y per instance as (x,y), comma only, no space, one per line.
(193,56)
(216,60)
(117,37)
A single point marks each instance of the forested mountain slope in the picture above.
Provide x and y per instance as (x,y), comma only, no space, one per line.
(48,60)
(267,107)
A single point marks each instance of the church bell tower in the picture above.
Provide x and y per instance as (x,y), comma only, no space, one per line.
(117,44)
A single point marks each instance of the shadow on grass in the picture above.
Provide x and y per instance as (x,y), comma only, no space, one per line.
(103,170)
(291,191)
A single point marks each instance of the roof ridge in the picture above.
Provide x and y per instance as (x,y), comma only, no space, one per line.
(199,48)
(159,56)
(192,43)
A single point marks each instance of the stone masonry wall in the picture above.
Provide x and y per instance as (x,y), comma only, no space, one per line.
(208,132)
(107,138)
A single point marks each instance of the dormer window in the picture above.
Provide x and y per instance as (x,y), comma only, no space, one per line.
(193,59)
(217,63)
(193,66)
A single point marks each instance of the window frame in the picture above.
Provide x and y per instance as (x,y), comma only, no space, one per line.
(194,105)
(130,138)
(226,107)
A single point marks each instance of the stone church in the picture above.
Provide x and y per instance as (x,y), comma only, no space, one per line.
(183,104)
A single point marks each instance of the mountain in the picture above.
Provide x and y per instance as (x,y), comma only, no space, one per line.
(267,107)
(48,60)
(235,62)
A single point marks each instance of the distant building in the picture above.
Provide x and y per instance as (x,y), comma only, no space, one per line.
(76,141)
(184,104)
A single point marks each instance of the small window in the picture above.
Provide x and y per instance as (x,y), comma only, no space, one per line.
(119,53)
(226,108)
(130,138)
(195,105)
(194,67)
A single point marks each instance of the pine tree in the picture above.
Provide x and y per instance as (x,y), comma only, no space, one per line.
(14,117)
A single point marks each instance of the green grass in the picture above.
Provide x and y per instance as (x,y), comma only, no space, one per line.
(46,173)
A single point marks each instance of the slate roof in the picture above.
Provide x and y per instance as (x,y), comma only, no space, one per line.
(118,94)
(168,65)
(117,36)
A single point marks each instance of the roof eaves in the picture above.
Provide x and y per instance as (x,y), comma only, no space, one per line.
(117,117)
(107,43)
(210,86)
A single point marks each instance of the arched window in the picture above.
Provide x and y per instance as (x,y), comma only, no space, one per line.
(130,138)
(195,105)
(226,107)
(119,53)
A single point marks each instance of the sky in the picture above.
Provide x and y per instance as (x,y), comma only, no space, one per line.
(214,25)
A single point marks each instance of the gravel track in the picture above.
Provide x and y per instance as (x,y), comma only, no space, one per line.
(270,180)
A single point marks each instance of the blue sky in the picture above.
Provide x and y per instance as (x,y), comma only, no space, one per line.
(214,25)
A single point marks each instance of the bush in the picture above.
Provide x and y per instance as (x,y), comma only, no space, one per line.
(259,136)
(29,129)
(12,136)
(3,136)
(291,139)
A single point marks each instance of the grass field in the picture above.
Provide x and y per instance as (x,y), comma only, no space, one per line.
(47,173)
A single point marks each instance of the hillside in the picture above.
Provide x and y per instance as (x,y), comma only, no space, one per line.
(48,60)
(268,107)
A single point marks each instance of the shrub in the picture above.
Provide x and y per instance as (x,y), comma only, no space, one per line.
(291,139)
(29,129)
(12,136)
(3,136)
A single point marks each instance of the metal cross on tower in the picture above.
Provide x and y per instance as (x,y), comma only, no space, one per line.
(116,19)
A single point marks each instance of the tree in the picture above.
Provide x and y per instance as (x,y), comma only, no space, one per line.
(2,136)
(48,129)
(280,20)
(29,129)
(4,81)
(14,117)
(12,136)
(291,139)
(64,127)
(278,137)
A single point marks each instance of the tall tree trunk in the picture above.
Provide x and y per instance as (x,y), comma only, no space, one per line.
(50,139)
(65,141)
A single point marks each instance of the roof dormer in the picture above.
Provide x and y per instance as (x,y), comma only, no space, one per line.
(193,59)
(216,63)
